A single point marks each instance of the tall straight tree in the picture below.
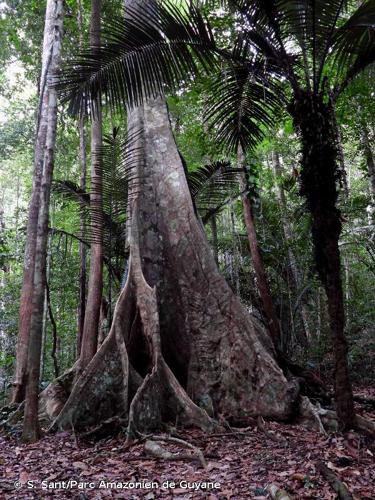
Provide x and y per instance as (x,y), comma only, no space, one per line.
(273,323)
(32,224)
(82,185)
(370,163)
(95,286)
(31,423)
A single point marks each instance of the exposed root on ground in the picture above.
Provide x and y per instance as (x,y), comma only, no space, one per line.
(316,417)
(277,493)
(340,488)
(309,414)
(153,447)
(271,435)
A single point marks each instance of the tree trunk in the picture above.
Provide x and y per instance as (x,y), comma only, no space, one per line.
(272,321)
(26,306)
(181,347)
(288,234)
(319,177)
(95,286)
(45,309)
(82,246)
(371,171)
(82,185)
(31,424)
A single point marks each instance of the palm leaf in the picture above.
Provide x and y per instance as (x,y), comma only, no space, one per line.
(117,159)
(282,23)
(211,186)
(71,191)
(354,43)
(242,100)
(140,57)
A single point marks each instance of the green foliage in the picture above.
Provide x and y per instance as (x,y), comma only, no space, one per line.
(139,57)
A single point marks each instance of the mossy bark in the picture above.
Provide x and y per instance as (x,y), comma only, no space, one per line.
(315,121)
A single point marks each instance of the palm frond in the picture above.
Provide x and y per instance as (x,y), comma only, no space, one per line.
(117,159)
(141,56)
(354,43)
(241,103)
(289,24)
(71,191)
(211,186)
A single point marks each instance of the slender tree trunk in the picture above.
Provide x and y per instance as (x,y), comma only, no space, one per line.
(82,246)
(341,160)
(26,306)
(45,310)
(371,171)
(31,429)
(82,185)
(95,286)
(236,275)
(319,177)
(273,324)
(55,337)
(288,234)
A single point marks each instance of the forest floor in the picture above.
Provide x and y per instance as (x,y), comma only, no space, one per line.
(243,465)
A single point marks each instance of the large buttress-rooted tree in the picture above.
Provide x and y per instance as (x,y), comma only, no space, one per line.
(181,345)
(31,422)
(32,224)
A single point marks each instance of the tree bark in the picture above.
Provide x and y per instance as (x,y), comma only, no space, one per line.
(82,232)
(371,171)
(273,324)
(319,177)
(82,246)
(31,429)
(95,286)
(26,306)
(181,347)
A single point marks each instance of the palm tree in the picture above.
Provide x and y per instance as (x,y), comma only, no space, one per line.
(317,48)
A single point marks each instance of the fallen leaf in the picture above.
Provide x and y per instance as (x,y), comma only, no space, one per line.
(80,465)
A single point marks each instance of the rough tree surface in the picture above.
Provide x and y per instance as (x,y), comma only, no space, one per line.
(181,347)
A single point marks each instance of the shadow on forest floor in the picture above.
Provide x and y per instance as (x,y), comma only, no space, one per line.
(244,464)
